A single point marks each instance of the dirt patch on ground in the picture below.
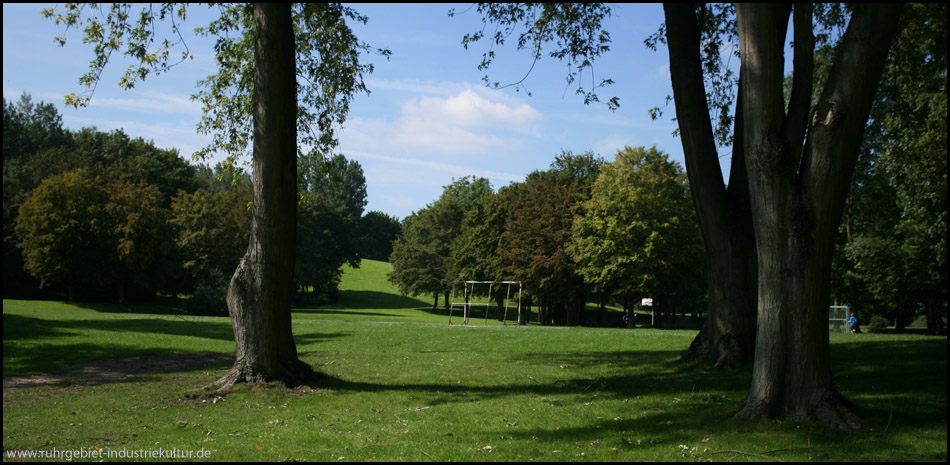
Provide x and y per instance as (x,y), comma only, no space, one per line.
(117,370)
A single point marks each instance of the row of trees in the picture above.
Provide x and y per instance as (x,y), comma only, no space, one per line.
(88,213)
(584,230)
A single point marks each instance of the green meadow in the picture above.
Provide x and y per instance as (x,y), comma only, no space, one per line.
(99,382)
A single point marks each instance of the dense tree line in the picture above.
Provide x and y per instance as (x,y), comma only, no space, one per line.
(582,231)
(95,215)
(891,254)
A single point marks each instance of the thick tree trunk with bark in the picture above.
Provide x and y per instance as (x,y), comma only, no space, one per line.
(727,337)
(262,288)
(797,189)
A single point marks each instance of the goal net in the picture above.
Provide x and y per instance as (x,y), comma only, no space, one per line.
(477,295)
(838,318)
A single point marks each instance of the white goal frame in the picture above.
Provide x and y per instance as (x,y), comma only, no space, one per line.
(468,292)
(838,319)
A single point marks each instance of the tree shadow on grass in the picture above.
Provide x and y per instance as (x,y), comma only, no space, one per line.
(158,306)
(686,397)
(659,374)
(112,370)
(34,345)
(910,375)
(894,380)
(22,327)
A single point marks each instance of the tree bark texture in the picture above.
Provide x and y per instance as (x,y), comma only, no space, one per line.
(261,291)
(797,189)
(727,337)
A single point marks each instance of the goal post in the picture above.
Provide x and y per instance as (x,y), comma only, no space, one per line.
(472,290)
(838,319)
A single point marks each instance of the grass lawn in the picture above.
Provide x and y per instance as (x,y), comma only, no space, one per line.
(406,386)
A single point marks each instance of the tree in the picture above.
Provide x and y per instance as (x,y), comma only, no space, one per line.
(144,242)
(378,230)
(261,289)
(260,50)
(29,129)
(535,241)
(475,250)
(728,334)
(212,231)
(79,229)
(637,234)
(799,167)
(64,231)
(422,255)
(331,200)
(37,147)
(222,178)
(116,154)
(421,252)
(337,179)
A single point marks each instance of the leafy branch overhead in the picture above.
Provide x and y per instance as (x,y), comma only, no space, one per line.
(329,71)
(575,29)
(113,31)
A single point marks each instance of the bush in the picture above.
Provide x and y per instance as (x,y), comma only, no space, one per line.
(878,322)
(210,295)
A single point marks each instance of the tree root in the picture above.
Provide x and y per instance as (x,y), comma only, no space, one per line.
(294,374)
(835,411)
(831,410)
(729,353)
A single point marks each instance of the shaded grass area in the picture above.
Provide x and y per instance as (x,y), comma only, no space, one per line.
(403,385)
(39,337)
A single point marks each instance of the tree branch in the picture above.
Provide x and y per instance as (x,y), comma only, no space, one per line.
(838,120)
(692,109)
(799,103)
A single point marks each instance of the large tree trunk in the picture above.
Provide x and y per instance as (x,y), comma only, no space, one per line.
(262,288)
(727,337)
(797,197)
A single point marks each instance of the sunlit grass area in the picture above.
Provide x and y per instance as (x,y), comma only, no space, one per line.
(402,384)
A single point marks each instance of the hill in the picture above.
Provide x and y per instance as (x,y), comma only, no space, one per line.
(366,294)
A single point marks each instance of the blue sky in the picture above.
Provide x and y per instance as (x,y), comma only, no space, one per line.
(429,118)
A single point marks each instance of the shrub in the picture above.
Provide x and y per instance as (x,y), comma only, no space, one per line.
(878,322)
(209,296)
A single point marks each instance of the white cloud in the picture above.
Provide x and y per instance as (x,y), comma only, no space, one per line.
(469,109)
(151,102)
(465,123)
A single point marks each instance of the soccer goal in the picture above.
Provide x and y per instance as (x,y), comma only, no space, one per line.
(838,319)
(480,294)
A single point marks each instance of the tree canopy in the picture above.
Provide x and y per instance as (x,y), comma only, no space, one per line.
(637,236)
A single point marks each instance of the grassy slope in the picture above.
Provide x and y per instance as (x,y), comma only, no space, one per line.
(401,390)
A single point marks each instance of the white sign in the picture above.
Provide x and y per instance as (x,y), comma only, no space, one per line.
(646,302)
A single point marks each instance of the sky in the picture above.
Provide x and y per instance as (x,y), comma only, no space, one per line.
(429,118)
